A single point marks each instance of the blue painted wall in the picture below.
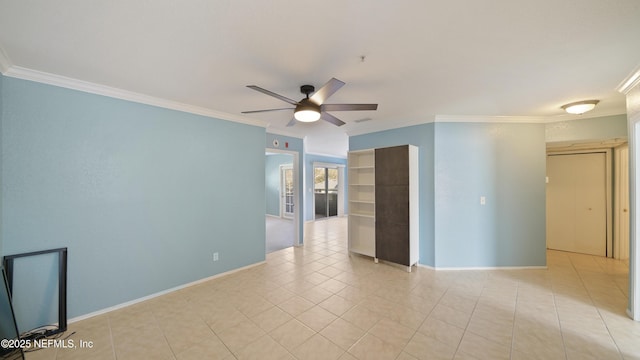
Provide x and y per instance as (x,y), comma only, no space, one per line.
(506,164)
(141,196)
(309,181)
(289,143)
(605,127)
(422,137)
(272,181)
(459,162)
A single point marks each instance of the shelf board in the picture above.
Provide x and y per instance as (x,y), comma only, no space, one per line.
(362,201)
(364,215)
(361,184)
(365,167)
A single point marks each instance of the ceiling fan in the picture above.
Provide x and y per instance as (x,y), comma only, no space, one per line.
(313,108)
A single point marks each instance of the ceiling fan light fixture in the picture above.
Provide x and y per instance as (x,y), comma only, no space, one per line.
(307,111)
(307,115)
(580,107)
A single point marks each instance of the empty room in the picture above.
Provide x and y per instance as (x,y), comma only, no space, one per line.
(304,180)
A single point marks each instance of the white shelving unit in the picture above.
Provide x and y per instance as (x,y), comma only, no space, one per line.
(362,223)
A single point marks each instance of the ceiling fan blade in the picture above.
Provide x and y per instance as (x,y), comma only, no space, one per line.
(332,119)
(292,122)
(326,90)
(348,107)
(271,93)
(266,110)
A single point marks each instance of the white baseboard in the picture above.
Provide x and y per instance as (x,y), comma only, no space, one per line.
(164,292)
(483,268)
(426,266)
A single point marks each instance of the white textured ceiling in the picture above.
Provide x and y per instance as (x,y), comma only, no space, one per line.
(422,58)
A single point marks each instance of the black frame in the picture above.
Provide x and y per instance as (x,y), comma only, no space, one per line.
(62,283)
(13,352)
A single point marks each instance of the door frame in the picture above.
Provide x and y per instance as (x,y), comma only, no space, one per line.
(630,87)
(633,122)
(621,241)
(609,188)
(297,240)
(341,168)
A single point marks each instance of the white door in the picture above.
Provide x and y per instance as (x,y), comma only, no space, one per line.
(621,210)
(577,203)
(286,191)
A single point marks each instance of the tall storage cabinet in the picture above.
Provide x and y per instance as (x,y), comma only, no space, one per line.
(388,200)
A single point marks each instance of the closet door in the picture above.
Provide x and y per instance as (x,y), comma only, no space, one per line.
(392,204)
(577,203)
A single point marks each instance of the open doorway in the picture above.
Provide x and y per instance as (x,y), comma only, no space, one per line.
(281,200)
(617,170)
(325,192)
(328,190)
(588,197)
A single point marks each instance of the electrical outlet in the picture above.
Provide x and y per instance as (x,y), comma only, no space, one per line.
(215,256)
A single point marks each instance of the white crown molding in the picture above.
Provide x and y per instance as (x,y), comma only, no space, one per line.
(377,126)
(491,119)
(5,62)
(630,81)
(282,132)
(520,119)
(487,119)
(88,87)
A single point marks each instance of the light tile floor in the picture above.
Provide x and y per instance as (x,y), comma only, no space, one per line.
(279,232)
(316,302)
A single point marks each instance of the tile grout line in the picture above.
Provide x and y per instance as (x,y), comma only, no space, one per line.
(466,327)
(113,345)
(595,304)
(555,306)
(513,327)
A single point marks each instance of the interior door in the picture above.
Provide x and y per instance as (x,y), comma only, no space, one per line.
(621,212)
(577,203)
(286,193)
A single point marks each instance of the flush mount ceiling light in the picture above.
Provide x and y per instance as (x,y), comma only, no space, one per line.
(580,107)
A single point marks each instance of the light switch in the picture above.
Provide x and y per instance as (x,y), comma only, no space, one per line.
(483,200)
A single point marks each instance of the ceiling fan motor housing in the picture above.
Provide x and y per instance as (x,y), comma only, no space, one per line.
(307,89)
